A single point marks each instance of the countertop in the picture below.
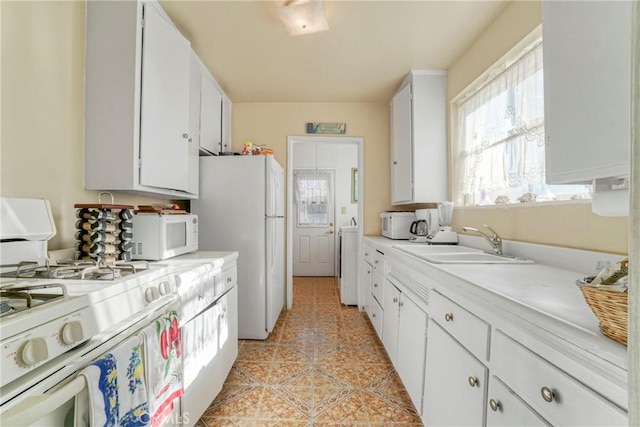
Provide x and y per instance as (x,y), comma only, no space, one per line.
(541,298)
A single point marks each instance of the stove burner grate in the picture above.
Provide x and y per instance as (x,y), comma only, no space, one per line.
(15,298)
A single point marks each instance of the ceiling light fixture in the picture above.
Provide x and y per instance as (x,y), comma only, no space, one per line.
(303,17)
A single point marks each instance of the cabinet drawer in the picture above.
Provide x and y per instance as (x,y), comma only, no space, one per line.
(225,280)
(558,397)
(367,253)
(375,315)
(469,330)
(505,408)
(377,283)
(379,262)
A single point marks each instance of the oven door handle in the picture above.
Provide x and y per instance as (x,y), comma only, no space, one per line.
(33,408)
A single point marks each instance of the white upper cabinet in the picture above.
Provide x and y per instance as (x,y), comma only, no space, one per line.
(211,115)
(144,90)
(418,139)
(587,89)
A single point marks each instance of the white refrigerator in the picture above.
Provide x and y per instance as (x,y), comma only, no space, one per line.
(241,208)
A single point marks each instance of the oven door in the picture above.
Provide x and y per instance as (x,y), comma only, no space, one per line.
(50,401)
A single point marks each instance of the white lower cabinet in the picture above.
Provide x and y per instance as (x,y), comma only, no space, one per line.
(455,382)
(506,409)
(391,308)
(412,347)
(558,397)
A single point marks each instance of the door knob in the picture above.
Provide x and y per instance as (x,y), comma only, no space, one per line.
(330,231)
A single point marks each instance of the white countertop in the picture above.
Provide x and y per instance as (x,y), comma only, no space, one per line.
(541,298)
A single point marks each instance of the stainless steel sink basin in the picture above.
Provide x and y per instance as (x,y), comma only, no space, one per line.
(473,258)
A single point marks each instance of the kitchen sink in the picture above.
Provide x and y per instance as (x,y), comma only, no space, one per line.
(418,249)
(473,258)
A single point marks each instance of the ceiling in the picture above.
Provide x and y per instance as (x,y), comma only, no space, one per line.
(370,47)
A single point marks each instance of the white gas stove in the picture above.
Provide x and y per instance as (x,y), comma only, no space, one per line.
(55,314)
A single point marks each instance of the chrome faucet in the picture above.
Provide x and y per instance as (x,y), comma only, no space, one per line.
(495,240)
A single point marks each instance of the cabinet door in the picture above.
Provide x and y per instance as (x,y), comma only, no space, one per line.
(164,125)
(587,82)
(455,382)
(226,124)
(194,124)
(506,409)
(365,286)
(401,164)
(211,115)
(390,305)
(412,339)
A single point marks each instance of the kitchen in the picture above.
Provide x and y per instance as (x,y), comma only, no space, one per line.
(43,67)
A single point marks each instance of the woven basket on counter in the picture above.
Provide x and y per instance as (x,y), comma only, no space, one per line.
(610,306)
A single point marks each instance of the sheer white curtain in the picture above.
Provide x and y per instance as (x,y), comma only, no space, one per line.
(500,150)
(312,186)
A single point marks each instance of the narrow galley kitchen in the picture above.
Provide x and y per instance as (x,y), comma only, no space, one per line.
(322,365)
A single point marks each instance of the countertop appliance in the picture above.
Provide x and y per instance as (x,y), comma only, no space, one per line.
(348,265)
(425,226)
(241,208)
(158,236)
(444,235)
(57,318)
(396,225)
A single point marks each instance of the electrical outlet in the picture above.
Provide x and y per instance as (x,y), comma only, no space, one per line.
(343,210)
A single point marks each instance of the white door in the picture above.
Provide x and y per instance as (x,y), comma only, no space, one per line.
(313,229)
(401,174)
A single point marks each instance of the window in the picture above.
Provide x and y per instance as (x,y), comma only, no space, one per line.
(313,197)
(500,146)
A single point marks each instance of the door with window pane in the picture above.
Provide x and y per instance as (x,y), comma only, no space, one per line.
(313,231)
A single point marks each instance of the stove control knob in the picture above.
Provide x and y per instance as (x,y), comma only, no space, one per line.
(164,288)
(34,351)
(71,333)
(151,294)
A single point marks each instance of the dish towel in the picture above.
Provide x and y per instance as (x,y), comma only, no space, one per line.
(116,390)
(163,366)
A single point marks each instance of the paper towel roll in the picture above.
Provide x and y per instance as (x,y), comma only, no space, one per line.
(611,202)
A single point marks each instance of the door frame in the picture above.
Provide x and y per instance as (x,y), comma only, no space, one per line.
(345,140)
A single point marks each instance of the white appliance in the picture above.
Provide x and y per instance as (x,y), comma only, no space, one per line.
(348,265)
(396,225)
(426,225)
(241,208)
(445,235)
(160,236)
(57,319)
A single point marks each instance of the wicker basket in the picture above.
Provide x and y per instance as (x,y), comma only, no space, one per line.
(610,307)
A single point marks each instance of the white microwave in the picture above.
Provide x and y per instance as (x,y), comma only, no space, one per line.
(161,236)
(395,225)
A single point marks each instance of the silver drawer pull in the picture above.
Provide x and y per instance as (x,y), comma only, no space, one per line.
(228,279)
(494,404)
(200,297)
(375,285)
(473,381)
(547,394)
(395,299)
(448,317)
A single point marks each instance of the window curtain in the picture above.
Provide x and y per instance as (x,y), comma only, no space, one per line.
(312,186)
(501,136)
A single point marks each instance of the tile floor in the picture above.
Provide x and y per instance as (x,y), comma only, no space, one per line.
(323,365)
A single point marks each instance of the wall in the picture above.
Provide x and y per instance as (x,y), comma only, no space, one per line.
(570,225)
(43,109)
(272,123)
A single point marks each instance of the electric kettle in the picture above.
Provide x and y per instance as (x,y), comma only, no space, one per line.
(419,231)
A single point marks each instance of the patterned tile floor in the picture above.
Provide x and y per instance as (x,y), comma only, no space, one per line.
(323,365)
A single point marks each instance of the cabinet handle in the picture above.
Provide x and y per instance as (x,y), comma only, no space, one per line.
(366,254)
(190,140)
(448,317)
(395,163)
(400,304)
(228,279)
(376,261)
(473,381)
(373,315)
(185,135)
(494,404)
(547,394)
(395,299)
(375,285)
